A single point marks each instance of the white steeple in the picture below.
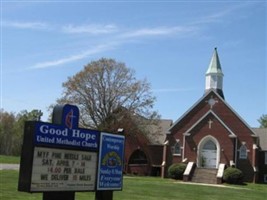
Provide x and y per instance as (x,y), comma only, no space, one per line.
(214,75)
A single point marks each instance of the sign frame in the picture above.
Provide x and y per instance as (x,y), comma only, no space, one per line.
(27,157)
(46,135)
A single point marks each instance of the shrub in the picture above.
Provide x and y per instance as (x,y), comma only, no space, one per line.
(233,175)
(175,171)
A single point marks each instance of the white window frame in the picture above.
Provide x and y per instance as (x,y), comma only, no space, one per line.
(243,152)
(174,147)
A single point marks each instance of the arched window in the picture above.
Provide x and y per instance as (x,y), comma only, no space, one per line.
(138,157)
(243,153)
(177,148)
(210,145)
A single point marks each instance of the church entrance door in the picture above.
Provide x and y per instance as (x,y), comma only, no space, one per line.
(209,155)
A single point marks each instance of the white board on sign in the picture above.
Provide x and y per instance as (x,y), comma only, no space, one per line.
(63,170)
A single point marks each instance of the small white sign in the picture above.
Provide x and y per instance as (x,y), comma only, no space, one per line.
(63,170)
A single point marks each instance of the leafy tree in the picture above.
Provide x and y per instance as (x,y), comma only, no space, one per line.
(12,129)
(106,93)
(263,121)
(21,118)
(7,124)
(34,115)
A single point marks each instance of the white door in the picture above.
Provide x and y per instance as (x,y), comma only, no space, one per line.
(209,155)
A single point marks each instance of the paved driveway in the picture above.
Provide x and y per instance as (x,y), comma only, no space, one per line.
(9,166)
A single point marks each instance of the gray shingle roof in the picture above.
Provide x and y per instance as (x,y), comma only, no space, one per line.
(158,132)
(262,133)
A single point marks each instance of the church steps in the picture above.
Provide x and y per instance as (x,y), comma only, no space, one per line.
(205,175)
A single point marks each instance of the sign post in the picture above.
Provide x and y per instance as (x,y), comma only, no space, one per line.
(60,159)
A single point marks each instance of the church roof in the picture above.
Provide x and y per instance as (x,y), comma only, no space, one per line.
(158,132)
(262,134)
(215,65)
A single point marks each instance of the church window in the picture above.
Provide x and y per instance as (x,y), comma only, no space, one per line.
(243,153)
(177,148)
(138,157)
(210,146)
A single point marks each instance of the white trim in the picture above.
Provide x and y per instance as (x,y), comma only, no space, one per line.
(178,142)
(236,150)
(183,147)
(188,168)
(243,152)
(220,170)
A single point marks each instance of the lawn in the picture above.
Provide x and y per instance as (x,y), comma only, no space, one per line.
(9,159)
(147,188)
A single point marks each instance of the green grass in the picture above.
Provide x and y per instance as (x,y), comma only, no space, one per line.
(146,188)
(9,159)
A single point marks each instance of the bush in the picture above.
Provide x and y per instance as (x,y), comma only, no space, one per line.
(233,175)
(176,171)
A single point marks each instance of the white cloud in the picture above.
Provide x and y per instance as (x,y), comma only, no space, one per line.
(159,31)
(91,29)
(219,15)
(117,40)
(61,61)
(25,25)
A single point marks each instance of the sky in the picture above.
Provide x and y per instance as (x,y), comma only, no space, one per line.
(168,43)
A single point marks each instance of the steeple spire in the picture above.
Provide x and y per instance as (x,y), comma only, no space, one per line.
(214,75)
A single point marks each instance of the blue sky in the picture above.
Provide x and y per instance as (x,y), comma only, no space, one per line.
(170,43)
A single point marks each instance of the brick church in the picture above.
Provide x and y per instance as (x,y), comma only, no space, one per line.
(210,136)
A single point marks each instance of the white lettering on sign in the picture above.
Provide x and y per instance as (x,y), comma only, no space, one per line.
(87,136)
(45,129)
(63,170)
(74,133)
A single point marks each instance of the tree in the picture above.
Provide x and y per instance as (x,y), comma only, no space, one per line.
(263,121)
(12,129)
(106,92)
(7,124)
(21,118)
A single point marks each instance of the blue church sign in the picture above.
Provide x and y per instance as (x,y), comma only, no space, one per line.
(63,136)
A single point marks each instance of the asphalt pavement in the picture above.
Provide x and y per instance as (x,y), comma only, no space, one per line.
(9,166)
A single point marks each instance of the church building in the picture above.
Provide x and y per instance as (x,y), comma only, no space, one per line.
(211,136)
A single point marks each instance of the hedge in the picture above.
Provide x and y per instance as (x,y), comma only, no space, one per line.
(175,171)
(233,176)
